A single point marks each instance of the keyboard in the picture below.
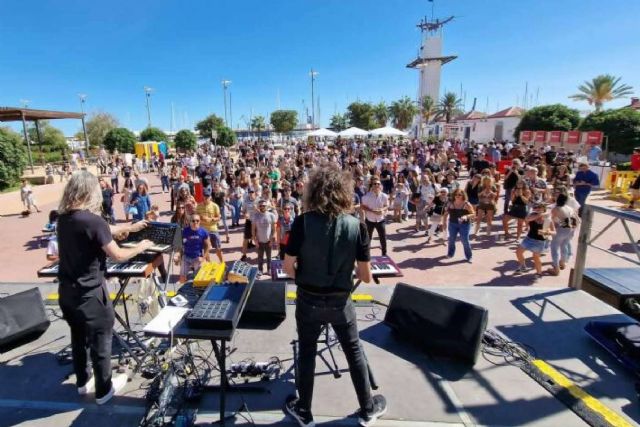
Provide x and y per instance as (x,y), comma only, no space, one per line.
(163,234)
(241,272)
(378,268)
(128,268)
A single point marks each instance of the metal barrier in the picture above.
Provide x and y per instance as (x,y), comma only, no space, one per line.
(618,183)
(585,240)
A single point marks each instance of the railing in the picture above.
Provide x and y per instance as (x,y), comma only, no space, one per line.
(585,240)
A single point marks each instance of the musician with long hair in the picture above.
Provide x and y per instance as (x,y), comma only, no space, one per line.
(84,242)
(324,245)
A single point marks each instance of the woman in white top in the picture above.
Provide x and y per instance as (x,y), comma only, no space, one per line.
(26,194)
(566,220)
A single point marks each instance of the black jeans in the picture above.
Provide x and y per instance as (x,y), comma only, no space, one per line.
(312,313)
(382,234)
(90,316)
(264,248)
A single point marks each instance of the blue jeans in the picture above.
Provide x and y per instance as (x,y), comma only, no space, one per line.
(164,180)
(312,313)
(462,228)
(581,197)
(561,245)
(237,210)
(223,214)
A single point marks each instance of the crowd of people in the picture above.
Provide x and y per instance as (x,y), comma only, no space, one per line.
(450,190)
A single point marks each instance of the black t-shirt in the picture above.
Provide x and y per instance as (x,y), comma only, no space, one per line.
(126,171)
(297,237)
(107,200)
(81,236)
(218,198)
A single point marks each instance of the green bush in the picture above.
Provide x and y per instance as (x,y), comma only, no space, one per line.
(13,158)
(120,139)
(622,127)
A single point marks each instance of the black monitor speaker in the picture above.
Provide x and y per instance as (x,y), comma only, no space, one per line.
(440,325)
(22,319)
(266,305)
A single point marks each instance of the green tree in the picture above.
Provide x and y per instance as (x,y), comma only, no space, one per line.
(381,114)
(284,121)
(549,117)
(427,108)
(97,127)
(360,115)
(185,140)
(448,106)
(13,157)
(120,139)
(258,123)
(339,122)
(153,134)
(226,137)
(601,89)
(622,127)
(402,112)
(209,123)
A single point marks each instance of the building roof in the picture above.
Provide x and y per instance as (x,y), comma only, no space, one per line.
(12,114)
(472,115)
(421,62)
(635,103)
(508,112)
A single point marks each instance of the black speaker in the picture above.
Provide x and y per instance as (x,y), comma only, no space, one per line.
(22,319)
(266,306)
(440,325)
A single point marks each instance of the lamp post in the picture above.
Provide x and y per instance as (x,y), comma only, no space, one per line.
(147,93)
(313,75)
(225,85)
(83,97)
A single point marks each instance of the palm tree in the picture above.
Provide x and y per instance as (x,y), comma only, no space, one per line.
(602,89)
(428,108)
(381,114)
(402,112)
(339,122)
(258,123)
(449,106)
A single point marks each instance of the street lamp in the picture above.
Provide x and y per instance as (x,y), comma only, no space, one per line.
(225,85)
(313,75)
(147,92)
(82,97)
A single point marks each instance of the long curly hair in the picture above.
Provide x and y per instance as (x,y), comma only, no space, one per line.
(329,191)
(81,192)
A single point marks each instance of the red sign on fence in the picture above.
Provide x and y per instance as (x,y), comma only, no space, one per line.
(555,136)
(526,136)
(572,137)
(540,136)
(593,137)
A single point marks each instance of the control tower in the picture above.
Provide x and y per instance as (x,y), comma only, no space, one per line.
(430,59)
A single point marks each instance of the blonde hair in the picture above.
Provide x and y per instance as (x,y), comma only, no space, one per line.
(81,192)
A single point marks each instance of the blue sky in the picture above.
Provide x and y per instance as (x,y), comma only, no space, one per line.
(52,50)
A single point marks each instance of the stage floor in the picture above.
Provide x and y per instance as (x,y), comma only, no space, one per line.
(421,391)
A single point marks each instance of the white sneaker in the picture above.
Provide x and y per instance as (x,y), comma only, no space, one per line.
(117,384)
(89,387)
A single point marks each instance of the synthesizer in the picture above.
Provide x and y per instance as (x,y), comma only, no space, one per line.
(136,267)
(241,272)
(221,306)
(165,235)
(209,272)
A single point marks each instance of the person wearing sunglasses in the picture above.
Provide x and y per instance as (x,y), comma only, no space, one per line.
(263,231)
(375,204)
(460,214)
(195,248)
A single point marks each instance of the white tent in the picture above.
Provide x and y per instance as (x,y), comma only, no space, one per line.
(352,132)
(322,132)
(388,131)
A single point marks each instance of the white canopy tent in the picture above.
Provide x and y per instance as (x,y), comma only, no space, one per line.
(322,132)
(388,131)
(352,132)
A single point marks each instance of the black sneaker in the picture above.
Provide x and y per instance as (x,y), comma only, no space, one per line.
(369,418)
(303,417)
(243,258)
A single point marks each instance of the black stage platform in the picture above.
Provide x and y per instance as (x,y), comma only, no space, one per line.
(421,391)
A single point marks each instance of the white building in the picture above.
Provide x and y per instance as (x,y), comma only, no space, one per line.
(477,126)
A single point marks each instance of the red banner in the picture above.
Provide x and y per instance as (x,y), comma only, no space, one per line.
(540,136)
(571,137)
(593,138)
(526,136)
(555,136)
